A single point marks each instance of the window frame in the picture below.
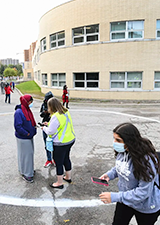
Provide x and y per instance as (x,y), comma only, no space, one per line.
(126,81)
(43,45)
(127,31)
(157,29)
(57,40)
(85,81)
(44,81)
(156,80)
(58,80)
(85,35)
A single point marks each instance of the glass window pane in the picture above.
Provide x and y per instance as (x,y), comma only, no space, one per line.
(92,29)
(118,76)
(118,36)
(61,35)
(92,84)
(158,24)
(92,38)
(133,84)
(54,76)
(44,47)
(134,76)
(54,83)
(135,25)
(117,84)
(53,44)
(60,43)
(78,31)
(53,37)
(44,41)
(62,83)
(62,76)
(79,84)
(135,34)
(157,84)
(79,76)
(118,26)
(79,40)
(158,33)
(92,76)
(157,76)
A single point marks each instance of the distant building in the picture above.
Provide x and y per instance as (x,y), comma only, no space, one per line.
(9,61)
(27,68)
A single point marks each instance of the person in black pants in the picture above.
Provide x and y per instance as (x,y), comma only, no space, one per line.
(137,167)
(46,117)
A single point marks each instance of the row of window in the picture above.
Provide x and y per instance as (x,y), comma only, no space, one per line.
(118,80)
(118,31)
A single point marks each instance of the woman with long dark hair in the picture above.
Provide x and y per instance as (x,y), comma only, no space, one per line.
(137,167)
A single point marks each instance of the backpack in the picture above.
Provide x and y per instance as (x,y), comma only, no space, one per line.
(158,153)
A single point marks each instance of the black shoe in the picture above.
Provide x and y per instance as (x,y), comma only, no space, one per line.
(69,181)
(28,179)
(59,187)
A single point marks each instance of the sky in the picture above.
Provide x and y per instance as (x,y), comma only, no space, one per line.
(19,25)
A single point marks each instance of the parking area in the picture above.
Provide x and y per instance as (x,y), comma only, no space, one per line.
(92,155)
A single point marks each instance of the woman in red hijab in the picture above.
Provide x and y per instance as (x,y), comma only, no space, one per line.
(25,129)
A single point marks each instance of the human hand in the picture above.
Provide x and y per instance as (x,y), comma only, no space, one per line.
(105,197)
(105,177)
(28,134)
(45,123)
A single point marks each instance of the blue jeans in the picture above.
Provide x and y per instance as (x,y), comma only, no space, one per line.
(48,153)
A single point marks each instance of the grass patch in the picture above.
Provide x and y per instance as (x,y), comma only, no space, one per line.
(30,87)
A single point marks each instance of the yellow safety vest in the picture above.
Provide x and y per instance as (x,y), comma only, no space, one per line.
(65,131)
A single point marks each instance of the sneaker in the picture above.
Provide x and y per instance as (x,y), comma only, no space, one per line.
(47,164)
(28,179)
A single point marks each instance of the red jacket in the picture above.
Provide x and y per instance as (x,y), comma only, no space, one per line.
(8,90)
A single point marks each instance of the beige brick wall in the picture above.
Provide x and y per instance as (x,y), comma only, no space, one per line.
(105,56)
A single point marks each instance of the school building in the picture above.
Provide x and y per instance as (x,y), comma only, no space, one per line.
(101,49)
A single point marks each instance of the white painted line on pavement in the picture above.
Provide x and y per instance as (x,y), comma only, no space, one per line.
(63,203)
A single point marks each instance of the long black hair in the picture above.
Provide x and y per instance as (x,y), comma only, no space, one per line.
(140,149)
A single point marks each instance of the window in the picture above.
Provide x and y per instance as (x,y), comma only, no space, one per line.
(86,34)
(39,74)
(127,30)
(43,45)
(58,79)
(158,29)
(29,75)
(126,80)
(157,79)
(86,80)
(57,39)
(44,79)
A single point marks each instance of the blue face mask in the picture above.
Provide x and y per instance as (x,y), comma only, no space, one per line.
(119,147)
(30,105)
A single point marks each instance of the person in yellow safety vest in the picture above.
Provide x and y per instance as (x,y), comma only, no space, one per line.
(60,128)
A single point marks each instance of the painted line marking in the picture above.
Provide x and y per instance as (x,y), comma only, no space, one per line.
(63,203)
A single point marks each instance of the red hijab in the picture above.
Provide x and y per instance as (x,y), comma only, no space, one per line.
(26,110)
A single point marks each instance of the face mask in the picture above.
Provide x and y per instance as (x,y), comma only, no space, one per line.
(119,147)
(30,105)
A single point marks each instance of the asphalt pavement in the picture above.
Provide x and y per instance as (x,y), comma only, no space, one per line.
(78,203)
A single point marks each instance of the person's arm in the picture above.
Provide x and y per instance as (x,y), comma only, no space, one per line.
(18,124)
(53,126)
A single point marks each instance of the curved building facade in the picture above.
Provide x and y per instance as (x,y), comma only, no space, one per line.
(101,49)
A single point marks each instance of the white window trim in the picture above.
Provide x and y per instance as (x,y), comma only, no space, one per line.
(57,40)
(46,85)
(85,35)
(43,45)
(156,81)
(58,80)
(126,31)
(157,29)
(125,81)
(85,82)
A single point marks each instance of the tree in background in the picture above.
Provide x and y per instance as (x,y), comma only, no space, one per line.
(2,68)
(10,72)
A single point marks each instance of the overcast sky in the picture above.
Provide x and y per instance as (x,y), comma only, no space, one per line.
(19,24)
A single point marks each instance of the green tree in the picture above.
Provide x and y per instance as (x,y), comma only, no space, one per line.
(19,69)
(2,68)
(9,72)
